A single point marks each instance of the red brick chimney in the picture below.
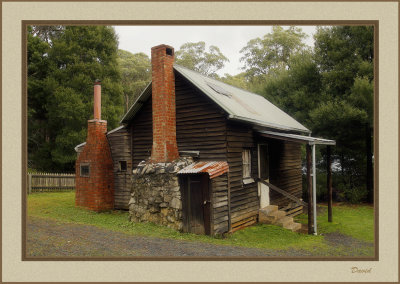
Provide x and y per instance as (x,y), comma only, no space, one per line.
(165,148)
(94,166)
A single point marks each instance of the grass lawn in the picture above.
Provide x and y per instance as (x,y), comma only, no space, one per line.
(354,221)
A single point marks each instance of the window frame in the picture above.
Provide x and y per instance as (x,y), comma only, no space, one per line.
(246,164)
(80,169)
(120,166)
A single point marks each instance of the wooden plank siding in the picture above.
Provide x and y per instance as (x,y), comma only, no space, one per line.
(285,170)
(201,126)
(200,123)
(120,144)
(219,193)
(142,133)
(244,200)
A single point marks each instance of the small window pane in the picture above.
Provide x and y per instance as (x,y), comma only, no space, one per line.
(122,166)
(246,158)
(85,170)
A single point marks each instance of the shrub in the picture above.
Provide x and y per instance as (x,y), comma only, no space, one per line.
(356,194)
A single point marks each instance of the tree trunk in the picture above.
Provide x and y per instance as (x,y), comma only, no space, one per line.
(309,190)
(369,153)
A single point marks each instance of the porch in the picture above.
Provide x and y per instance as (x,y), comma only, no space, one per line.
(279,173)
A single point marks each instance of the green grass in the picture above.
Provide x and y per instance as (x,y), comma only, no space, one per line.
(356,221)
(60,207)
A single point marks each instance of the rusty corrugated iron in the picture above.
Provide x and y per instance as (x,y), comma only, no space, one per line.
(214,168)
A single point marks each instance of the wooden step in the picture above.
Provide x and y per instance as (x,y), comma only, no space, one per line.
(285,221)
(270,218)
(294,227)
(268,209)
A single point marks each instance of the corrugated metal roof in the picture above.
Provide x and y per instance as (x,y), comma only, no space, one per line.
(214,169)
(239,104)
(242,105)
(296,138)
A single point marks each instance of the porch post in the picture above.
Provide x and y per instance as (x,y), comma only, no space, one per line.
(329,181)
(309,189)
(314,189)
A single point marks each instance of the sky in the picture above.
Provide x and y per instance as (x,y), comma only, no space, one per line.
(229,39)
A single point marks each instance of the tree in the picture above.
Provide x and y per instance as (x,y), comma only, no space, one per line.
(46,33)
(240,80)
(76,57)
(261,55)
(195,57)
(345,55)
(135,74)
(38,71)
(297,89)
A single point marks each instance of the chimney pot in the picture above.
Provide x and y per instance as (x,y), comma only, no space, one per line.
(97,100)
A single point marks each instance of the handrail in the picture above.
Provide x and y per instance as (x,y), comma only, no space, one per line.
(281,191)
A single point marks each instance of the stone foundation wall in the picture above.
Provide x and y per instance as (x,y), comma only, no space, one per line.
(155,193)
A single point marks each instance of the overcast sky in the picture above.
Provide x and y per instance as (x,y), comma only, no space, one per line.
(230,39)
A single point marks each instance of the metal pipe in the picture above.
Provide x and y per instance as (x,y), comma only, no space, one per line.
(314,189)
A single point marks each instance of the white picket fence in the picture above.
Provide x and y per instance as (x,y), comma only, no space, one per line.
(45,182)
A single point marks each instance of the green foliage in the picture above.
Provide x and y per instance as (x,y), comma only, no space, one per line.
(60,91)
(344,53)
(239,80)
(356,195)
(261,55)
(195,57)
(135,73)
(296,89)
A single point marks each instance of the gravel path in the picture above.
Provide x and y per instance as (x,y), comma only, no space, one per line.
(52,239)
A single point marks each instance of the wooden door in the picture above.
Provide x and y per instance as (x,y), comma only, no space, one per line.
(196,204)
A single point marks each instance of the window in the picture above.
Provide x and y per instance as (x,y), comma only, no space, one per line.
(246,158)
(122,166)
(85,170)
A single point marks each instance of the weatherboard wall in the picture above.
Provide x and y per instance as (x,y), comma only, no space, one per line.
(141,128)
(244,200)
(120,144)
(200,123)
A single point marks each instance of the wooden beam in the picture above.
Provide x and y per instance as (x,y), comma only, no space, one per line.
(283,192)
(329,181)
(309,190)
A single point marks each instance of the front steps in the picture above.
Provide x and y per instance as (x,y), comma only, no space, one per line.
(271,215)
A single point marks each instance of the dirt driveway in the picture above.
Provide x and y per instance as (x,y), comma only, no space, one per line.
(52,239)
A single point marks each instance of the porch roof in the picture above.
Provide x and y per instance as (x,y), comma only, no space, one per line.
(214,168)
(296,138)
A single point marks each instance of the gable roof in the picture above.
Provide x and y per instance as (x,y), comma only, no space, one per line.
(239,104)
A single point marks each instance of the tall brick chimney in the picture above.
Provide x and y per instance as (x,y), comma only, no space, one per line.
(94,166)
(165,148)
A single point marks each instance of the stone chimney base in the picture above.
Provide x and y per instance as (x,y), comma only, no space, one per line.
(156,194)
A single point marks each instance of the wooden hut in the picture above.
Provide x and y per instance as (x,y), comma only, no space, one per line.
(217,124)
